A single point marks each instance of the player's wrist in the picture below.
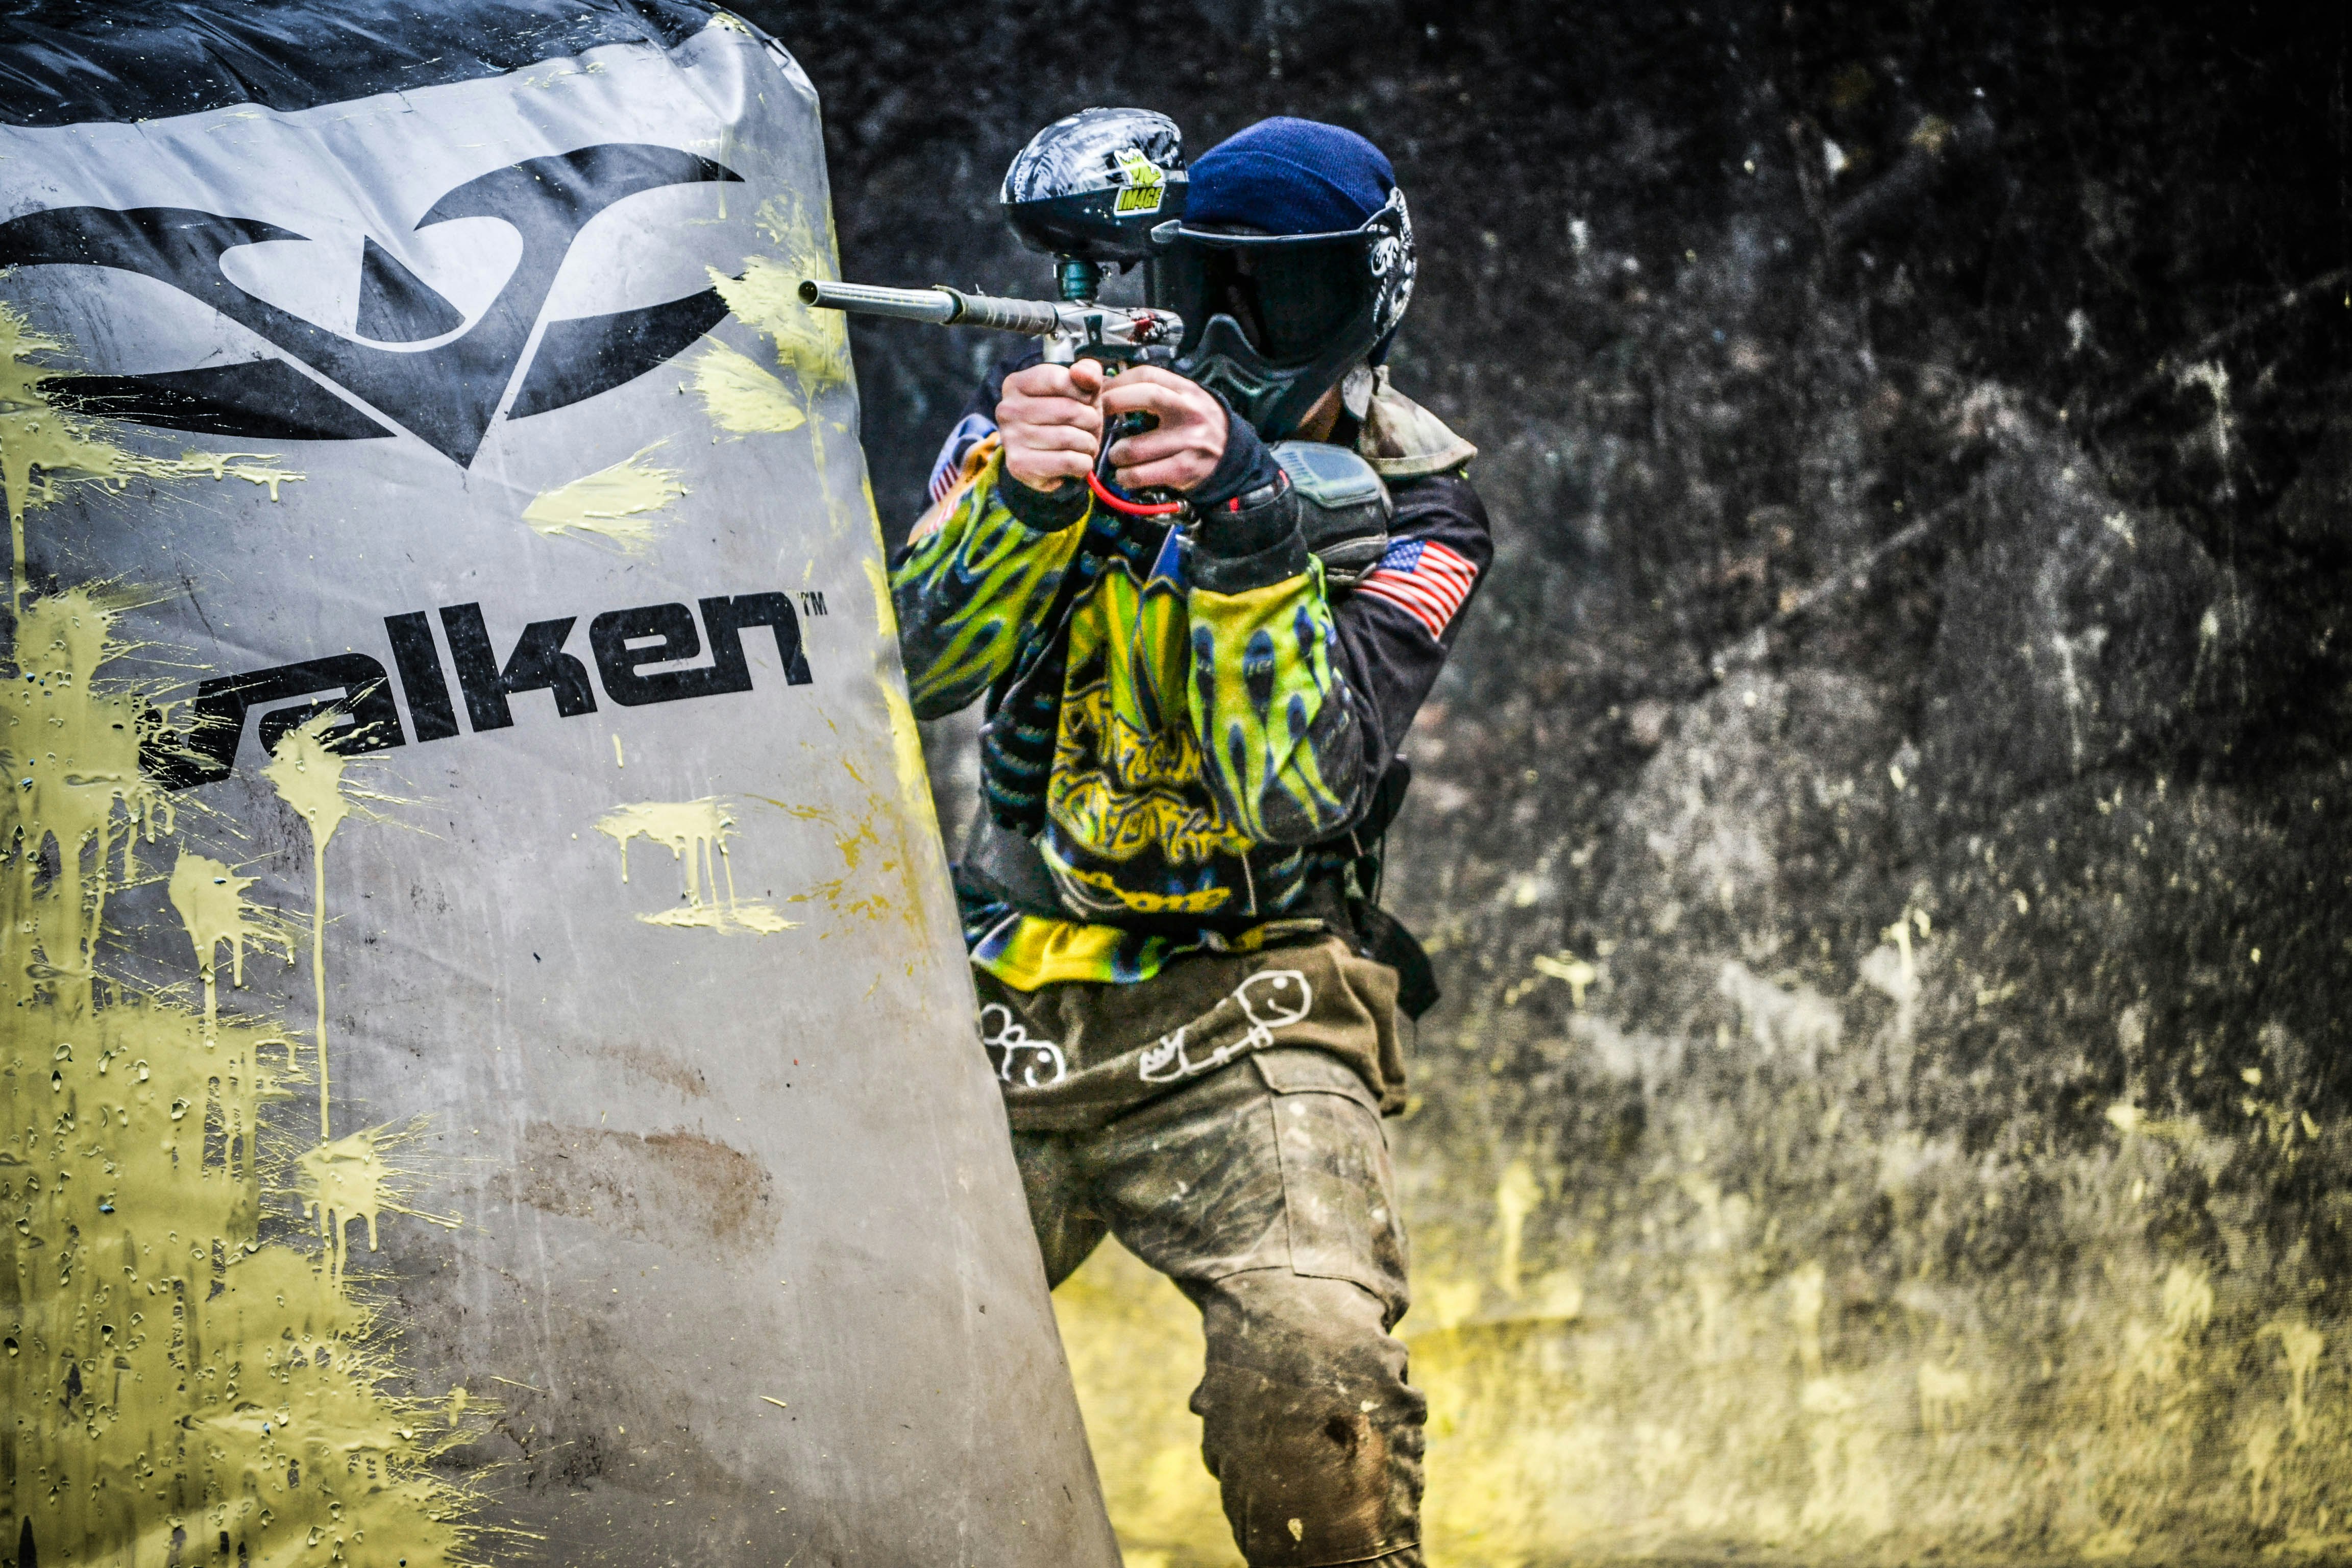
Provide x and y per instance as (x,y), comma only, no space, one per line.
(1244,464)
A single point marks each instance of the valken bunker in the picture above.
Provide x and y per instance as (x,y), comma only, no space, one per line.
(487,1069)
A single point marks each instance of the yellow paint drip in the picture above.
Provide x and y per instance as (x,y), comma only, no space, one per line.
(211,901)
(73,757)
(621,504)
(253,468)
(308,777)
(210,898)
(695,832)
(173,1380)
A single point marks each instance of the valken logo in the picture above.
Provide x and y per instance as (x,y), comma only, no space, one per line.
(446,393)
(643,655)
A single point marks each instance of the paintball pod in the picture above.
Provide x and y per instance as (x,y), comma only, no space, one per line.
(1071,329)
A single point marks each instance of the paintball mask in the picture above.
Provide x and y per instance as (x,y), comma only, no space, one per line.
(1273,321)
(1090,188)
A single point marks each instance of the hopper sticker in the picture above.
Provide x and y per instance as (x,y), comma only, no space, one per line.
(1142,186)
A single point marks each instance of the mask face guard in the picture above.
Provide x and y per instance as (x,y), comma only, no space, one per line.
(1275,396)
(1272,398)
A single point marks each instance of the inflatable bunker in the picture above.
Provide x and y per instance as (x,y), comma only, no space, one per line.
(487,1072)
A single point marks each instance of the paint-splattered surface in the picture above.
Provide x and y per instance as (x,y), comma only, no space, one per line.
(171,1371)
(1944,1153)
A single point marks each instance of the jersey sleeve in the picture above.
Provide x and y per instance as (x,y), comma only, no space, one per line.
(1300,698)
(1397,627)
(969,585)
(975,424)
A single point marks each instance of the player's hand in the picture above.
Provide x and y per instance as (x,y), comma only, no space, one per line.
(1182,450)
(1051,423)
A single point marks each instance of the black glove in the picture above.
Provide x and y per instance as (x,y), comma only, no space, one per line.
(1246,528)
(1044,511)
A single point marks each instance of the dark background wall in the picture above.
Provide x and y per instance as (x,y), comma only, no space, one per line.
(1883,830)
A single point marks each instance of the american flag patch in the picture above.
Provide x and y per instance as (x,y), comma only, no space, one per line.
(1424,579)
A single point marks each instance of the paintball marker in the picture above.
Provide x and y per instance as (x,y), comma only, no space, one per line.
(1071,327)
(1087,189)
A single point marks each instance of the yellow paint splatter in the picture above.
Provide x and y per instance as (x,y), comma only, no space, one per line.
(757,919)
(73,751)
(253,468)
(38,436)
(810,343)
(742,398)
(347,1179)
(205,1383)
(880,847)
(621,504)
(210,898)
(211,901)
(695,832)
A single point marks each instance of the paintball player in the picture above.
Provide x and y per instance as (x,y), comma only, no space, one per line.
(1191,756)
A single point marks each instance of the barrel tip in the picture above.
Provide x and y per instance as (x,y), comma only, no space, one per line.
(808,291)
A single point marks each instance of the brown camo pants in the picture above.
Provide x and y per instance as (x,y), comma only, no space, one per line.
(1263,1191)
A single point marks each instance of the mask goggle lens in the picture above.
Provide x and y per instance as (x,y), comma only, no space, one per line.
(1291,300)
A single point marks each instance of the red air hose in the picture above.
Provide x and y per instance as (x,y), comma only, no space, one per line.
(1131,508)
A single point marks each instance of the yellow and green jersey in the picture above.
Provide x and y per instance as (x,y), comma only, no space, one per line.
(1187,741)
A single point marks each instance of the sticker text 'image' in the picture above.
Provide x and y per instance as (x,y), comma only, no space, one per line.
(636,653)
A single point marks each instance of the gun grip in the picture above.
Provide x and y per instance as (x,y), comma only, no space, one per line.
(1134,423)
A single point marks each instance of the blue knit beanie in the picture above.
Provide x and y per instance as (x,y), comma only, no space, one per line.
(1288,176)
